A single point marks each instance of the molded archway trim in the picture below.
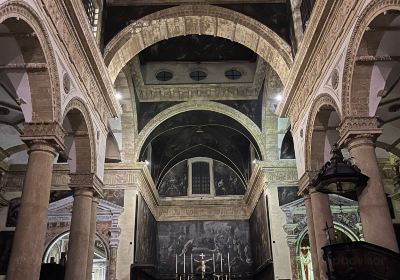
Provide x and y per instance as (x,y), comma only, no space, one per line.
(245,121)
(201,20)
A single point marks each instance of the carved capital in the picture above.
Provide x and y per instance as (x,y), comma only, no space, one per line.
(305,181)
(353,126)
(87,181)
(45,133)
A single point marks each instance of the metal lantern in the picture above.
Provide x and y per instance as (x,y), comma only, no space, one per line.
(339,176)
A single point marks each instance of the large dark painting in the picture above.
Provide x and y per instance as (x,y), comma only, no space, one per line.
(226,181)
(207,240)
(146,234)
(287,195)
(259,233)
(6,239)
(175,182)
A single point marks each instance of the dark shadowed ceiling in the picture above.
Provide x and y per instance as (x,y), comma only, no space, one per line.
(276,16)
(199,134)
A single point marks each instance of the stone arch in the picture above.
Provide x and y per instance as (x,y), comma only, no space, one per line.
(349,98)
(46,102)
(201,20)
(200,105)
(323,100)
(78,105)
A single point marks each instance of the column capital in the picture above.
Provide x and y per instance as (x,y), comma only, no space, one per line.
(44,134)
(353,127)
(305,181)
(86,181)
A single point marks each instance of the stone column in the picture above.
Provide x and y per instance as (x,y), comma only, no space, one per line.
(114,242)
(297,22)
(28,245)
(323,225)
(359,135)
(304,183)
(92,238)
(84,186)
(311,234)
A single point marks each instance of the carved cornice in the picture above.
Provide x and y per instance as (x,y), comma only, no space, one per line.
(325,34)
(137,176)
(84,58)
(305,181)
(86,181)
(51,132)
(232,91)
(353,126)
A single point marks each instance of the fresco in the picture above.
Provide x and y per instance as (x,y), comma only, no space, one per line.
(114,196)
(146,234)
(259,234)
(287,195)
(175,182)
(226,181)
(207,240)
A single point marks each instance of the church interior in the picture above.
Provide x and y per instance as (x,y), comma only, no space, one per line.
(208,139)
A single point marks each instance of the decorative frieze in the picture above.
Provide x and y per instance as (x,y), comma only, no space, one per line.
(86,181)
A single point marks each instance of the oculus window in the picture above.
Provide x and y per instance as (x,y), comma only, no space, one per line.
(198,75)
(164,76)
(233,74)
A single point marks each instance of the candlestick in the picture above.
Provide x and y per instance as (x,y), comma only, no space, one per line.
(176,263)
(184,263)
(229,265)
(222,270)
(191,263)
(213,262)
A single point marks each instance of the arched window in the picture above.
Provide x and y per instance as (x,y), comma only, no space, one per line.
(57,253)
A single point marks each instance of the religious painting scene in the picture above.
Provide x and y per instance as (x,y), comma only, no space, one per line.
(199,139)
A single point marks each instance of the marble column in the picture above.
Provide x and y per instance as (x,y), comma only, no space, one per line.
(323,227)
(374,211)
(28,245)
(311,234)
(92,238)
(112,269)
(78,246)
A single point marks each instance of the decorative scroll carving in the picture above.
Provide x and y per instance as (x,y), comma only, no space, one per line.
(93,83)
(86,181)
(352,126)
(51,132)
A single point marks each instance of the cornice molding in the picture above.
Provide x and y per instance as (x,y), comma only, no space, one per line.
(176,92)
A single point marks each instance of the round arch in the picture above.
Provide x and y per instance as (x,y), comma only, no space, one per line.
(349,98)
(78,104)
(323,100)
(204,106)
(201,20)
(46,104)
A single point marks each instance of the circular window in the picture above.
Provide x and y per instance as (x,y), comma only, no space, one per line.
(164,76)
(198,75)
(233,74)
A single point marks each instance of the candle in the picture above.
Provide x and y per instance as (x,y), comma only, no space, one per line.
(222,270)
(229,265)
(191,263)
(184,263)
(213,262)
(176,263)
